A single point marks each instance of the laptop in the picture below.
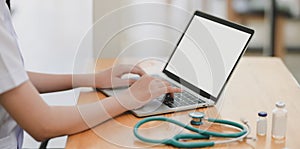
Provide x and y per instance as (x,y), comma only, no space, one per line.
(201,64)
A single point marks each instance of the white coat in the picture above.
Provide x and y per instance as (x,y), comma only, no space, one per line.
(12,74)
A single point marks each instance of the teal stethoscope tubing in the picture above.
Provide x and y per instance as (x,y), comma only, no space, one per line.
(200,134)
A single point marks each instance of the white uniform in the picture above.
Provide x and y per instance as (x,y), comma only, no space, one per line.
(12,74)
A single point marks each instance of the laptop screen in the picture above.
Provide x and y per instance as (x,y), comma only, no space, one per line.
(207,53)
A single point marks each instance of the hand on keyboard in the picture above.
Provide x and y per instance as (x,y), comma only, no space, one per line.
(144,90)
(181,99)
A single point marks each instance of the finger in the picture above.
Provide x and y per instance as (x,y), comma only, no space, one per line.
(137,70)
(165,89)
(160,83)
(124,69)
(131,81)
(171,90)
(174,89)
(166,83)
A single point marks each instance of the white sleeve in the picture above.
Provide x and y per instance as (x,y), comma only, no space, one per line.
(12,72)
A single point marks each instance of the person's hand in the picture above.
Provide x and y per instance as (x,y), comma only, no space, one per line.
(143,91)
(111,78)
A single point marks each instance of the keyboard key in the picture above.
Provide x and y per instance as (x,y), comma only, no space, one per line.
(180,99)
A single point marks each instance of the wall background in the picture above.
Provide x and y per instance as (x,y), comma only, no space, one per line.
(146,36)
(50,34)
(170,15)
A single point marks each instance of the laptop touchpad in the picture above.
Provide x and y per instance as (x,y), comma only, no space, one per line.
(151,106)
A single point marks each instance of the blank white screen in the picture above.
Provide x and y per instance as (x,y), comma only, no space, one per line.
(207,53)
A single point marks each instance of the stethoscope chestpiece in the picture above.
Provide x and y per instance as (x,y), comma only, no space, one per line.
(197,118)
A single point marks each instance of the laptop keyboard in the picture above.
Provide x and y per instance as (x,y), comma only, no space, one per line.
(180,99)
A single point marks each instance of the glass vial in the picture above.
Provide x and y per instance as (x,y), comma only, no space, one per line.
(279,121)
(261,125)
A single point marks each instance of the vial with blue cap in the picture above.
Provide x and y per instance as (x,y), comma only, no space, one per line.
(262,123)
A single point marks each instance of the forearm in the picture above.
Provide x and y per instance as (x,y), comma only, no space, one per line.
(42,121)
(45,83)
(80,118)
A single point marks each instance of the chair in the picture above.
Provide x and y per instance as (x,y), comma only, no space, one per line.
(44,144)
(8,3)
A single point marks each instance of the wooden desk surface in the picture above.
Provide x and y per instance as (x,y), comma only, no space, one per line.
(255,86)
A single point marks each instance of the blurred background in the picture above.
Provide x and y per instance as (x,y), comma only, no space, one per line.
(67,36)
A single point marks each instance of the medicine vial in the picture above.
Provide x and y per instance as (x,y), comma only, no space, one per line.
(261,127)
(279,121)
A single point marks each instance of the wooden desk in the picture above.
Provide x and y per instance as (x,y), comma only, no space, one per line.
(256,85)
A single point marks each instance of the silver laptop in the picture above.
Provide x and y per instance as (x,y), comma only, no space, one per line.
(201,64)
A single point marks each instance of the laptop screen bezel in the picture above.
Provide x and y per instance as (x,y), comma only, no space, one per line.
(220,21)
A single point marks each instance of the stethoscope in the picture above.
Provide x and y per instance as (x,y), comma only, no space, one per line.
(197,118)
